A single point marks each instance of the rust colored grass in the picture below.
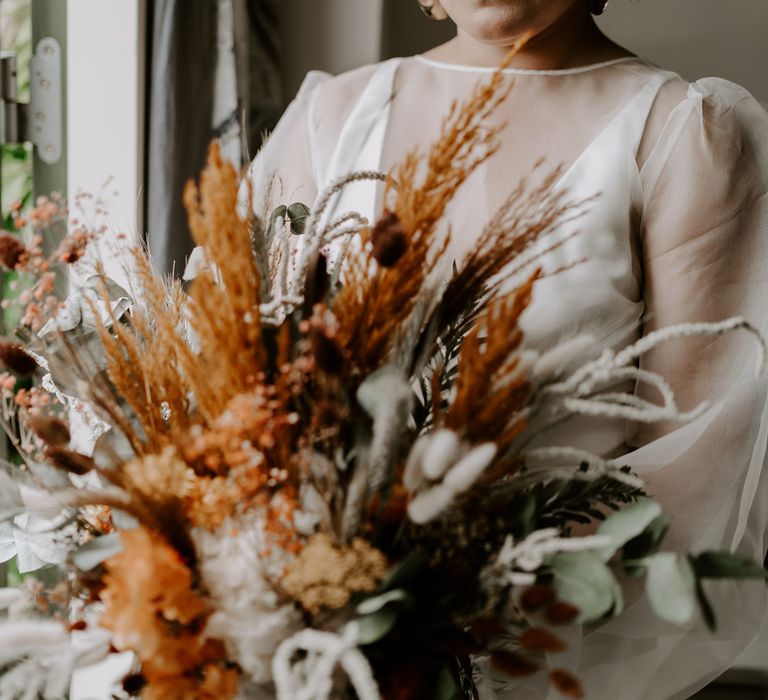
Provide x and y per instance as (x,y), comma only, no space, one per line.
(489,388)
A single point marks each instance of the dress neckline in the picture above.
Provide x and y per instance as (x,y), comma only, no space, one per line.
(524,71)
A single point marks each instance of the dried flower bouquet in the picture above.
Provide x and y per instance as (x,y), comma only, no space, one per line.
(316,478)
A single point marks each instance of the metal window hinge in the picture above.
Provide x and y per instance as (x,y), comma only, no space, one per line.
(40,121)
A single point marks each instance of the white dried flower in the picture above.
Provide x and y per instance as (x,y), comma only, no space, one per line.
(249,616)
(469,468)
(413,476)
(441,452)
(429,504)
(26,637)
(558,359)
(530,554)
(311,677)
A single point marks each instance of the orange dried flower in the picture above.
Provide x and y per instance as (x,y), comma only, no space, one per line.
(12,250)
(152,610)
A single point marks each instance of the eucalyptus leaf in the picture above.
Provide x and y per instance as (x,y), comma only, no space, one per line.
(298,214)
(583,580)
(97,551)
(726,565)
(671,587)
(405,571)
(376,603)
(372,628)
(626,524)
(279,212)
(646,543)
(446,687)
(110,445)
(707,611)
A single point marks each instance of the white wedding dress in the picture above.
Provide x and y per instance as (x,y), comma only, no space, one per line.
(678,232)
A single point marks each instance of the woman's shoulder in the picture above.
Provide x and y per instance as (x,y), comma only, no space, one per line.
(334,97)
(338,94)
(706,113)
(716,95)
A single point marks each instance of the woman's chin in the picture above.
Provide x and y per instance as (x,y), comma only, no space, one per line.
(498,24)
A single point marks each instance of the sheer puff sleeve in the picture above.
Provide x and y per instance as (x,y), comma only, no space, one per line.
(705,258)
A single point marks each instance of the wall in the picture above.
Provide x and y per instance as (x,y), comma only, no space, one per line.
(330,35)
(698,38)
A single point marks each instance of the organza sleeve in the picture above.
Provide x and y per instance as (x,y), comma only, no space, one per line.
(705,258)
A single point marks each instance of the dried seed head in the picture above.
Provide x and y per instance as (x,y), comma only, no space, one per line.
(566,683)
(11,250)
(540,639)
(134,683)
(52,431)
(535,598)
(69,461)
(388,239)
(561,613)
(15,358)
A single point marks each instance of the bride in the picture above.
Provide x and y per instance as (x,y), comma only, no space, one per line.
(677,231)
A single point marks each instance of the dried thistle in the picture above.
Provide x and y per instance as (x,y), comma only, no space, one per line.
(51,430)
(15,358)
(388,240)
(12,250)
(69,460)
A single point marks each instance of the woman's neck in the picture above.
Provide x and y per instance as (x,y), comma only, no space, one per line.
(572,41)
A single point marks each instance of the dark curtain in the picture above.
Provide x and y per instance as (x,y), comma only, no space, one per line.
(180,93)
(259,69)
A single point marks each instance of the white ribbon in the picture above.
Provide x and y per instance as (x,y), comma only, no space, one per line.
(312,677)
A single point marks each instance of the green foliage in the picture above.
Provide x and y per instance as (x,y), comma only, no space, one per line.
(645,544)
(584,580)
(376,603)
(446,687)
(372,628)
(627,524)
(726,565)
(298,214)
(561,501)
(671,587)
